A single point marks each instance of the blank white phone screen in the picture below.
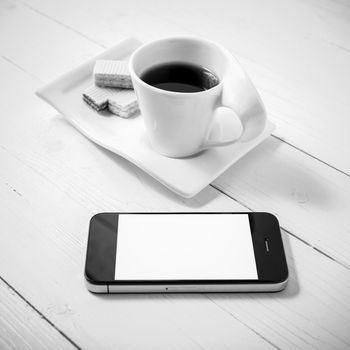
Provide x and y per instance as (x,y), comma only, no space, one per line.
(184,247)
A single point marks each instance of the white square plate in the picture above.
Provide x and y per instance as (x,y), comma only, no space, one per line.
(127,138)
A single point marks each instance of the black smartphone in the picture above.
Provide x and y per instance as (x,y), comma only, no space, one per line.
(185,252)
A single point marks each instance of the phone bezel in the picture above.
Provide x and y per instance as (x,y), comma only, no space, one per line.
(100,257)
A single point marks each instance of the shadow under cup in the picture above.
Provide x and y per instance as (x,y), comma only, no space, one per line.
(178,123)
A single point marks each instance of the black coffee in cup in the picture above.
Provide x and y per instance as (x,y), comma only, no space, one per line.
(180,77)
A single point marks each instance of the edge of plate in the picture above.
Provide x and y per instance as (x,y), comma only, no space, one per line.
(128,45)
(269,128)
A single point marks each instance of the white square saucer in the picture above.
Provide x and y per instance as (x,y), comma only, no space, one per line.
(127,138)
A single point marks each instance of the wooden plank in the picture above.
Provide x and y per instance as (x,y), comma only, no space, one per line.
(53,180)
(311,199)
(312,312)
(39,46)
(52,185)
(21,327)
(42,248)
(303,192)
(297,54)
(303,196)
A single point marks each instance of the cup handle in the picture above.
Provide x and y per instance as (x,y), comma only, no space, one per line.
(240,95)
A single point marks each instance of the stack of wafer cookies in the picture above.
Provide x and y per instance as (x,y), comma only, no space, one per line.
(112,89)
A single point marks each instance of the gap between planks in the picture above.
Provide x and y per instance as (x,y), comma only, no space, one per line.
(40,313)
(53,16)
(244,323)
(28,303)
(25,4)
(310,155)
(212,186)
(60,23)
(221,191)
(286,230)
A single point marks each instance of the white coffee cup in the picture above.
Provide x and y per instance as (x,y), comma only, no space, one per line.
(179,124)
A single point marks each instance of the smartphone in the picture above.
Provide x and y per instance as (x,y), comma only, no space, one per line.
(185,252)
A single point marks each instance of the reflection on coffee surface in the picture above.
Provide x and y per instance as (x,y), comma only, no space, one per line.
(180,77)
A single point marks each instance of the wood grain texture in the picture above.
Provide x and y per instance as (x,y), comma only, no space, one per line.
(52,179)
(312,313)
(51,193)
(308,196)
(67,188)
(56,226)
(50,233)
(296,52)
(39,46)
(311,199)
(21,327)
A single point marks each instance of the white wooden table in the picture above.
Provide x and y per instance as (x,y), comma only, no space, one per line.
(52,179)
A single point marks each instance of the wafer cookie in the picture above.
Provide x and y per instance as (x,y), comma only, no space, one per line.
(110,73)
(121,102)
(96,97)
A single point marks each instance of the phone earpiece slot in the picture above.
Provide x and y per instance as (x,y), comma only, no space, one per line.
(267,245)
